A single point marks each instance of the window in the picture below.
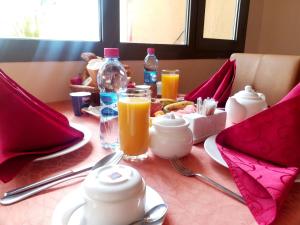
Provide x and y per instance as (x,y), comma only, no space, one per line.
(50,19)
(52,30)
(220,19)
(153,22)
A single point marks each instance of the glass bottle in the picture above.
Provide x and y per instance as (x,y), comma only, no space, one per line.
(111,78)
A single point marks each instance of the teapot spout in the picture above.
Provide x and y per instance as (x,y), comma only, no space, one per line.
(236,112)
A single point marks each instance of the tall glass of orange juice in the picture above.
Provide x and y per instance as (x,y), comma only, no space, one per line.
(169,83)
(134,113)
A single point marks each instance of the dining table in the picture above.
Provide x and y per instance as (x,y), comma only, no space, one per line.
(190,201)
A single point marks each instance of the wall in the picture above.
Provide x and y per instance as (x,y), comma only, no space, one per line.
(254,25)
(280,33)
(272,28)
(48,81)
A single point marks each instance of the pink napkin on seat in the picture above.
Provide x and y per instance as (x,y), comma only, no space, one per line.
(28,129)
(217,87)
(263,155)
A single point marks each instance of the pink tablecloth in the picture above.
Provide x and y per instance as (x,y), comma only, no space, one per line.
(190,201)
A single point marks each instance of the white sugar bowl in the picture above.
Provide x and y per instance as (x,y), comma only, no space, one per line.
(170,137)
(112,195)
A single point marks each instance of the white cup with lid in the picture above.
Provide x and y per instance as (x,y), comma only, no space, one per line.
(170,137)
(112,195)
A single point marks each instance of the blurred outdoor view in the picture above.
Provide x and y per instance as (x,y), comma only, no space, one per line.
(50,19)
(166,21)
(220,19)
(141,21)
(153,21)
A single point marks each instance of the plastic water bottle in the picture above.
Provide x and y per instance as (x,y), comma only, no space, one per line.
(150,71)
(111,78)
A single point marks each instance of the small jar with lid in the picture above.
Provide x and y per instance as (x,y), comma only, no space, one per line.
(170,137)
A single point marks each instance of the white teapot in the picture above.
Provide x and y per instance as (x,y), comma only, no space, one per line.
(244,104)
(170,137)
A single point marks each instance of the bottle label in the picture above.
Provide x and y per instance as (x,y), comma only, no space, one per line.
(150,77)
(108,104)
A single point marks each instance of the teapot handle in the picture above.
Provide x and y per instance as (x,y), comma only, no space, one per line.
(70,211)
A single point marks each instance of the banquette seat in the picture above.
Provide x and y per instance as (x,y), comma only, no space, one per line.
(273,75)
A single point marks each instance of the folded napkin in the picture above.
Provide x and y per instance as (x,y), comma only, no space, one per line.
(28,129)
(263,155)
(217,87)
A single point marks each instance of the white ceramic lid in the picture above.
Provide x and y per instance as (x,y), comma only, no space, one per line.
(248,93)
(113,183)
(169,120)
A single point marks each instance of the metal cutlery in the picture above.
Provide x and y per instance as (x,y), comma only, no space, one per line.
(155,214)
(180,168)
(24,192)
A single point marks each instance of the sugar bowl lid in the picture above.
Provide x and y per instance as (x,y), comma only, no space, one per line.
(169,120)
(113,183)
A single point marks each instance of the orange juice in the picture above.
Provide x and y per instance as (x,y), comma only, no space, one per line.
(134,113)
(169,84)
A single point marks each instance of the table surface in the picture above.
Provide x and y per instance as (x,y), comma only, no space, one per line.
(189,200)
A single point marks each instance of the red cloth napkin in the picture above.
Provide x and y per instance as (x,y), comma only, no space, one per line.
(263,155)
(28,129)
(217,87)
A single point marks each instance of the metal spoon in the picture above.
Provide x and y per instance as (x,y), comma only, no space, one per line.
(24,192)
(152,215)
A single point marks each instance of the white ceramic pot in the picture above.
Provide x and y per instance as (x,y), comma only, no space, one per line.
(170,137)
(108,193)
(244,104)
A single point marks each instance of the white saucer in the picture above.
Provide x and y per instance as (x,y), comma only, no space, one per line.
(212,150)
(152,198)
(84,141)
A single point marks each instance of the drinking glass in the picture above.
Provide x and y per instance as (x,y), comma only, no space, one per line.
(169,83)
(134,113)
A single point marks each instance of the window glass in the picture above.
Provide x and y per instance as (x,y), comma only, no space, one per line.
(60,30)
(220,19)
(153,21)
(50,19)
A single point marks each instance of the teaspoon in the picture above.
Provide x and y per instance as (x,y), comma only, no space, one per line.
(152,215)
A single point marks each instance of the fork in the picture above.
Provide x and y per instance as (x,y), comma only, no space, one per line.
(180,168)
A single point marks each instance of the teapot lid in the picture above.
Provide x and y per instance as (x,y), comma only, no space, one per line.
(169,120)
(248,93)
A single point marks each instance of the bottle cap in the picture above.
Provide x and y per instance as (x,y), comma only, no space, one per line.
(151,51)
(111,52)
